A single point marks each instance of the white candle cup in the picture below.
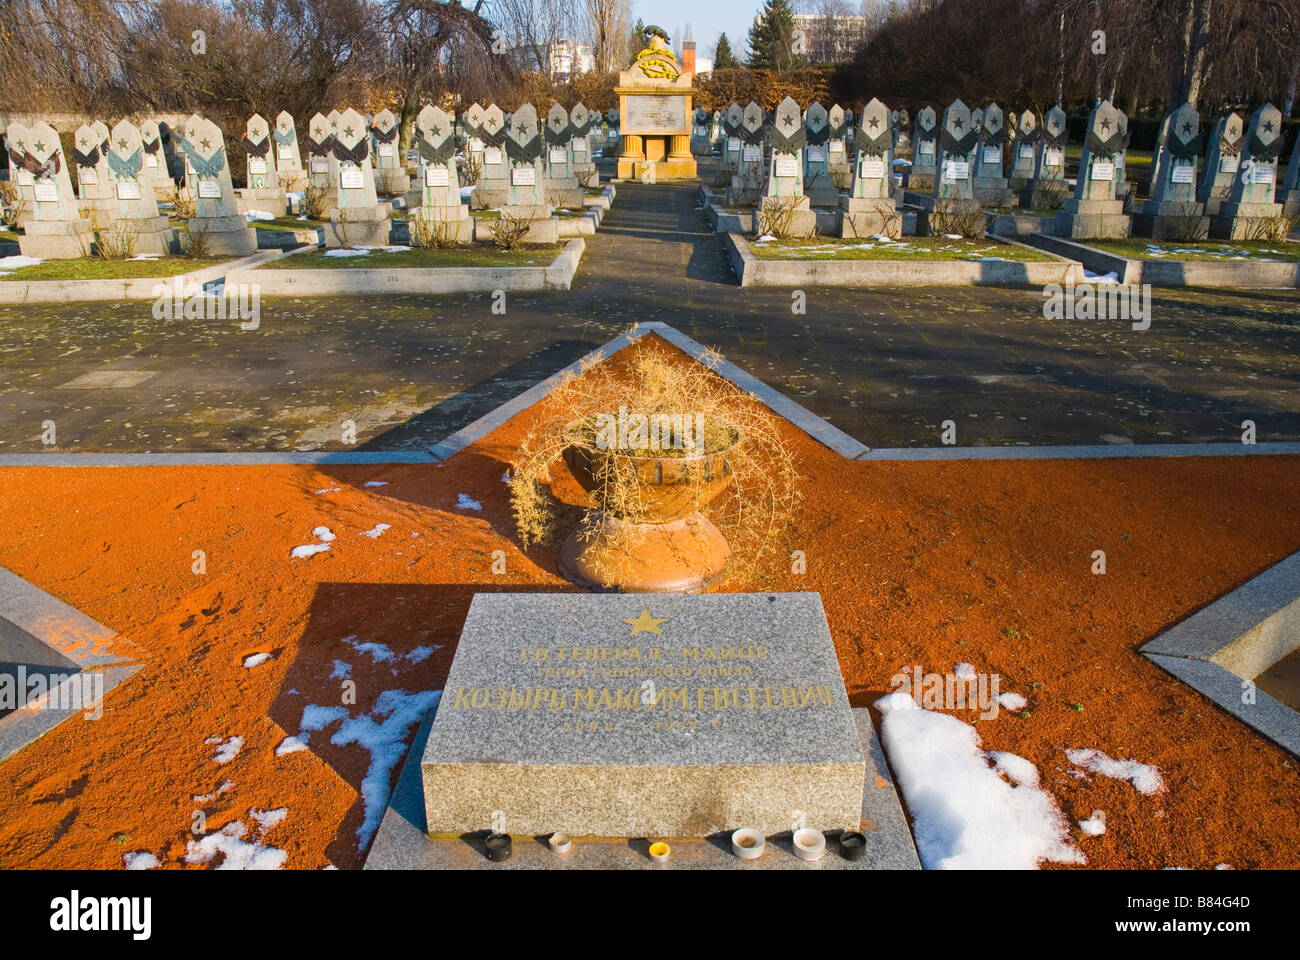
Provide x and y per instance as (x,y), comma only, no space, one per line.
(809,844)
(748,843)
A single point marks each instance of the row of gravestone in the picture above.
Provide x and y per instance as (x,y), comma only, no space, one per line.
(798,159)
(122,175)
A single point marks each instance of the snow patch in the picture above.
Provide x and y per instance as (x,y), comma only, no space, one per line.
(308,550)
(291,745)
(465,502)
(1095,825)
(965,815)
(229,749)
(1146,779)
(235,852)
(140,860)
(376,531)
(1012,701)
(257,659)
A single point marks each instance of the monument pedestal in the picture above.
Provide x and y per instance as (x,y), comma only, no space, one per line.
(990,190)
(392,181)
(1093,219)
(56,239)
(821,191)
(271,200)
(867,217)
(454,220)
(152,234)
(802,220)
(544,229)
(642,716)
(655,119)
(1236,221)
(226,236)
(359,227)
(563,192)
(1171,220)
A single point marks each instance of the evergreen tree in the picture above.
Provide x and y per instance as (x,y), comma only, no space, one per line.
(723,58)
(637,40)
(772,37)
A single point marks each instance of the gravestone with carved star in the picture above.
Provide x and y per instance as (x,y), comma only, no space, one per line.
(471,123)
(839,151)
(90,158)
(56,228)
(360,220)
(322,167)
(441,217)
(561,187)
(391,178)
(784,210)
(749,174)
(1172,211)
(1096,210)
(288,155)
(732,145)
(957,145)
(263,192)
(207,178)
(989,184)
(581,148)
(526,156)
(642,715)
(869,209)
(155,161)
(1222,158)
(1288,192)
(1047,189)
(1027,135)
(818,183)
(925,150)
(613,135)
(131,216)
(493,187)
(1251,205)
(700,132)
(23,179)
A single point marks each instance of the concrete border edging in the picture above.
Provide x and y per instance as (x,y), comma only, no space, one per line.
(139,288)
(754,272)
(1252,274)
(363,281)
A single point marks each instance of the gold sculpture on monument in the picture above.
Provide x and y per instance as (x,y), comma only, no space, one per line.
(654,104)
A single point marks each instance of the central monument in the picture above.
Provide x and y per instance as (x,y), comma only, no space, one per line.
(654,107)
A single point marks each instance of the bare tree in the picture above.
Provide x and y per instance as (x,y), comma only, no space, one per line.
(609,22)
(535,26)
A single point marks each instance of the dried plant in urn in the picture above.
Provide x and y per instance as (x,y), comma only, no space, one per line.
(687,476)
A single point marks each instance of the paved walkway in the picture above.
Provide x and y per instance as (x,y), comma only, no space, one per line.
(887,367)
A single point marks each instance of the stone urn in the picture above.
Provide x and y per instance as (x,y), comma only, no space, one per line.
(648,534)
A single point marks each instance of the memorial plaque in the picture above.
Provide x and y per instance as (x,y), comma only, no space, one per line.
(655,113)
(128,190)
(956,170)
(209,190)
(1229,164)
(284,151)
(786,165)
(319,165)
(436,177)
(1182,172)
(751,154)
(351,178)
(523,176)
(992,155)
(558,155)
(1103,170)
(873,169)
(643,715)
(1052,158)
(46,193)
(492,155)
(257,165)
(385,149)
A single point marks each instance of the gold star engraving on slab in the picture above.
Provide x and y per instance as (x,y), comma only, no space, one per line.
(645,623)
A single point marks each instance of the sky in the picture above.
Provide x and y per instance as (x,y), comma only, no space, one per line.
(707,18)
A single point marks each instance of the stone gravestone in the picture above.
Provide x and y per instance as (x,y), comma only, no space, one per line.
(1048,188)
(493,187)
(643,716)
(155,161)
(391,178)
(360,220)
(613,136)
(747,179)
(1288,193)
(989,185)
(1173,211)
(264,191)
(207,174)
(700,132)
(561,185)
(1222,158)
(582,123)
(1251,202)
(90,155)
(1122,187)
(133,218)
(322,168)
(15,138)
(471,123)
(732,118)
(1095,210)
(958,141)
(784,209)
(838,152)
(525,146)
(440,216)
(902,140)
(817,180)
(869,210)
(715,131)
(925,150)
(56,230)
(288,158)
(1022,151)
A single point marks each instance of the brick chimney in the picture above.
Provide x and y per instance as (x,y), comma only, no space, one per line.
(688,57)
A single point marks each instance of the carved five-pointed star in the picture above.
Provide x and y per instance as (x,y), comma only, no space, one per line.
(875,122)
(316,132)
(645,623)
(283,125)
(1187,126)
(121,143)
(957,123)
(1268,126)
(1105,124)
(347,131)
(82,141)
(40,146)
(789,120)
(205,143)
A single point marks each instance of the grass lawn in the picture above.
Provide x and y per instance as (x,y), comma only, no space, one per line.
(1211,250)
(485,214)
(10,236)
(92,268)
(909,248)
(476,256)
(286,223)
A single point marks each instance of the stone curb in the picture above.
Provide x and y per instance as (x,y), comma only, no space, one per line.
(202,459)
(415,280)
(1124,451)
(140,288)
(1175,273)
